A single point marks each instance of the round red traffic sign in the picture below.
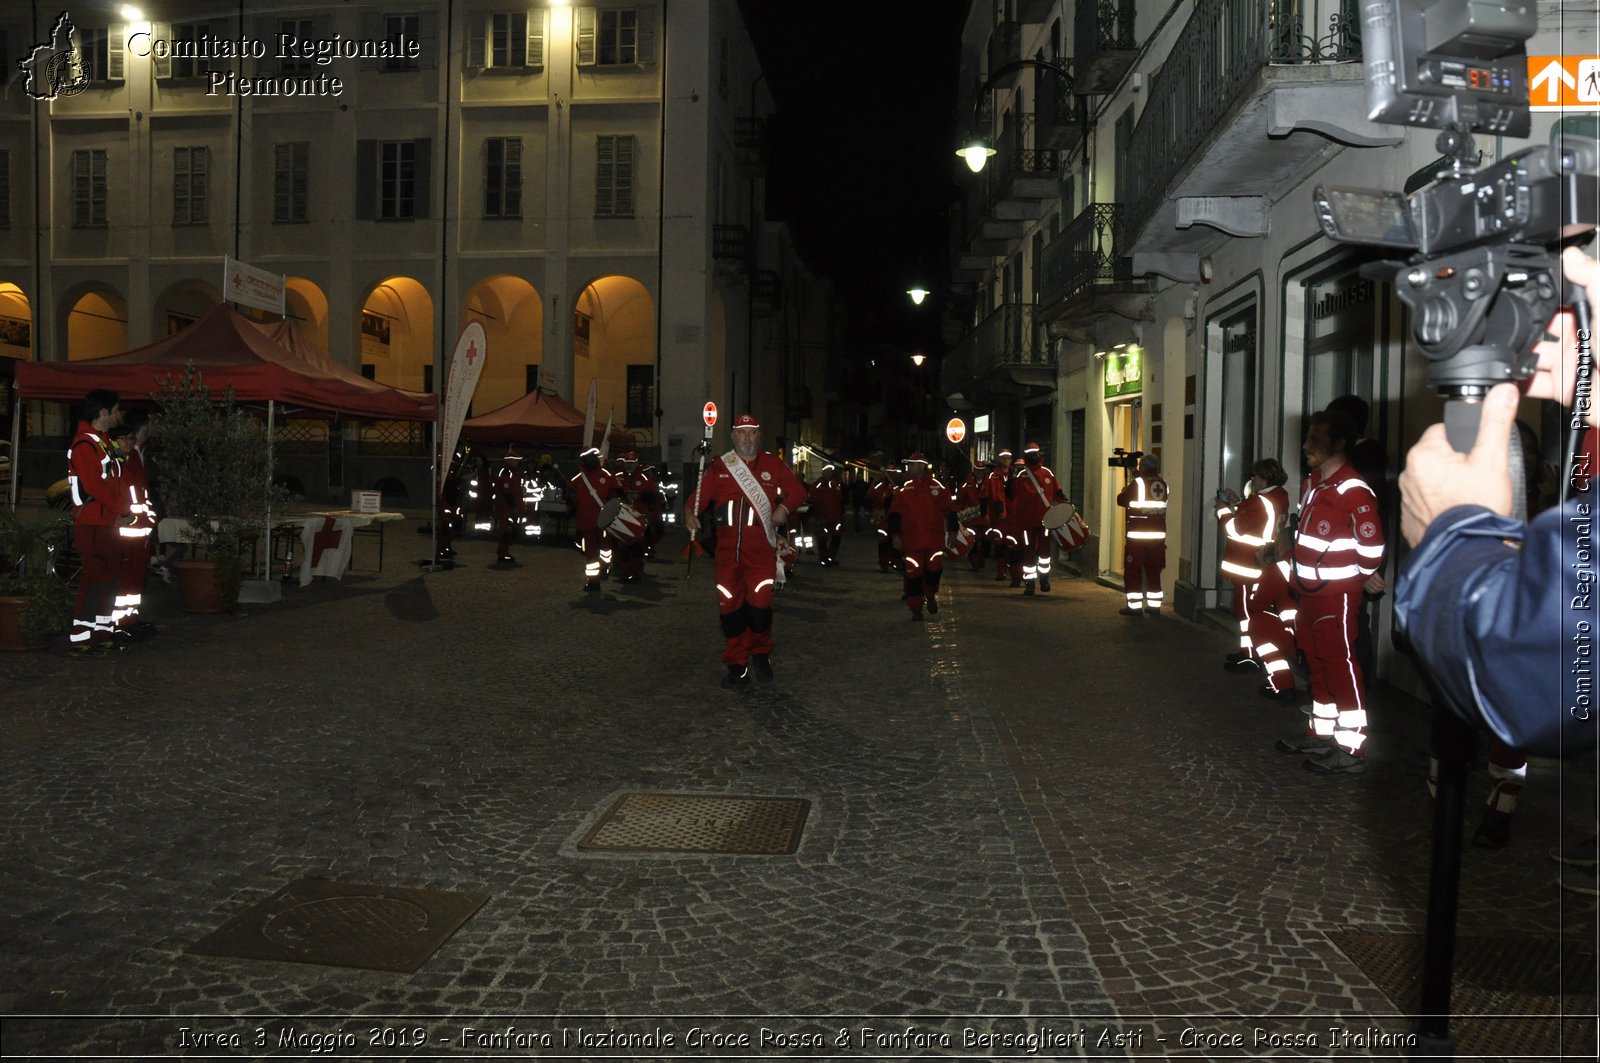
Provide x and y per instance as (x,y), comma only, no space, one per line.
(709,414)
(956,430)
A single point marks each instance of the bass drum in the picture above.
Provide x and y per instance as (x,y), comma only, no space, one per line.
(621,521)
(1073,534)
(962,542)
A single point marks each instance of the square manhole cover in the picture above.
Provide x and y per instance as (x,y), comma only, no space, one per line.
(344,924)
(699,823)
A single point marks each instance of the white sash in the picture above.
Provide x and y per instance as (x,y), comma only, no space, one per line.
(758,499)
(1029,474)
(592,492)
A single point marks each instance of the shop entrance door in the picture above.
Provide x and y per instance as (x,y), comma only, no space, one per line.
(1126,432)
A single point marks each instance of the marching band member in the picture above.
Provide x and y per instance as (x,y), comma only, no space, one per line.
(1033,490)
(920,515)
(134,541)
(1144,552)
(508,505)
(1273,612)
(992,503)
(94,474)
(878,499)
(827,503)
(750,495)
(632,485)
(1338,548)
(1249,524)
(589,490)
(970,496)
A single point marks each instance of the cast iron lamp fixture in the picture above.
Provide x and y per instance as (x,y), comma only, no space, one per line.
(917,293)
(977,149)
(918,358)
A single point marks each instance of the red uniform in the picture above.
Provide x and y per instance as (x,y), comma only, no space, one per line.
(94,474)
(1246,528)
(633,485)
(590,489)
(1144,552)
(1033,491)
(1273,613)
(1337,547)
(827,506)
(747,562)
(878,498)
(969,496)
(508,506)
(134,541)
(920,514)
(992,507)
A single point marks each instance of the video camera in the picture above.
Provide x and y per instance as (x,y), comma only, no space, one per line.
(1124,459)
(1481,270)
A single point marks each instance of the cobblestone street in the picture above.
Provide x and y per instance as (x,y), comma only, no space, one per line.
(1026,816)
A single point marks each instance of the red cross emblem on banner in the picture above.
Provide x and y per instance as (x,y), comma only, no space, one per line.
(326,539)
(472,352)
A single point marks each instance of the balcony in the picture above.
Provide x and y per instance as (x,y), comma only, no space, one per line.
(1021,175)
(768,291)
(1102,31)
(1086,266)
(731,249)
(1061,117)
(1005,48)
(1248,103)
(1003,358)
(748,134)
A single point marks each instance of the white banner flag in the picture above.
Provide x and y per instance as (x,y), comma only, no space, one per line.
(461,380)
(244,283)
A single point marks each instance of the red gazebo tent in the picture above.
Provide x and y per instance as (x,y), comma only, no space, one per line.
(537,418)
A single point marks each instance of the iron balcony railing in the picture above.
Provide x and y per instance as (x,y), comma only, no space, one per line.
(730,244)
(747,133)
(1104,25)
(1225,44)
(1008,337)
(1060,114)
(1087,252)
(1016,156)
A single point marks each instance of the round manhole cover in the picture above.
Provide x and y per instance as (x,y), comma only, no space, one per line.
(316,924)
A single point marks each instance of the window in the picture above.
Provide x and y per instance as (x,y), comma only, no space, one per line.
(401,26)
(100,52)
(5,188)
(187,39)
(507,40)
(618,38)
(291,181)
(641,396)
(502,178)
(190,168)
(615,37)
(613,179)
(303,31)
(88,189)
(397,179)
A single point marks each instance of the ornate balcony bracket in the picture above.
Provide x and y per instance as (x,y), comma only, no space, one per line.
(1177,266)
(1336,110)
(1234,215)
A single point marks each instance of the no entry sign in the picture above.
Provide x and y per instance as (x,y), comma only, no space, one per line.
(956,430)
(709,414)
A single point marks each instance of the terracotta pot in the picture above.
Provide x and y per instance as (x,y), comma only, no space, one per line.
(11,626)
(197,586)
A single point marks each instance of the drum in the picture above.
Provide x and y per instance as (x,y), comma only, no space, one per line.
(786,551)
(968,515)
(621,521)
(1073,534)
(962,542)
(1057,515)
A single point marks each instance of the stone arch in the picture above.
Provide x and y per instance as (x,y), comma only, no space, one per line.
(512,316)
(16,323)
(614,328)
(394,332)
(306,307)
(94,321)
(183,303)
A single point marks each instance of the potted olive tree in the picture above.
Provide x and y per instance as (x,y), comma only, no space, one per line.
(35,603)
(213,465)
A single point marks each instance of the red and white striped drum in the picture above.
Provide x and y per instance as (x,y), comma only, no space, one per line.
(962,542)
(786,550)
(621,521)
(1071,534)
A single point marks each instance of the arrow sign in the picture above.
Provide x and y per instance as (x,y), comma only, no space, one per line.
(1559,82)
(1555,75)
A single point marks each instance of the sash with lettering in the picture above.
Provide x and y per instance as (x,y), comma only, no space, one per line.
(758,498)
(1036,486)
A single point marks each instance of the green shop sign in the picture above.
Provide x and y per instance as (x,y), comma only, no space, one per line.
(1124,371)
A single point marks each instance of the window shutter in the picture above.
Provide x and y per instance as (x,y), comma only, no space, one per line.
(160,31)
(588,19)
(199,184)
(647,34)
(116,39)
(536,38)
(604,175)
(478,39)
(423,183)
(372,29)
(624,177)
(513,183)
(366,179)
(428,41)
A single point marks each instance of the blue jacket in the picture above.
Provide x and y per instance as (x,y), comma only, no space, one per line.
(1502,613)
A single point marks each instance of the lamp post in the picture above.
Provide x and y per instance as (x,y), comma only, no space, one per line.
(917,293)
(977,149)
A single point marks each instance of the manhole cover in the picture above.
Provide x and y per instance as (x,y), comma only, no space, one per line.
(344,924)
(1510,996)
(699,823)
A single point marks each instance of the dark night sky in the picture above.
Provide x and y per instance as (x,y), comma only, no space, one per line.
(863,146)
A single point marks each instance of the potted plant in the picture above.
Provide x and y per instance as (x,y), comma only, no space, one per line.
(35,603)
(213,466)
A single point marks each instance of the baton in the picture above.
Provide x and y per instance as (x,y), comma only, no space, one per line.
(700,474)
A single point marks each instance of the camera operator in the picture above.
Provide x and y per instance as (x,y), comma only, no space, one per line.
(1503,612)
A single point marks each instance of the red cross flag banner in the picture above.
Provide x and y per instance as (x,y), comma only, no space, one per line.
(466,365)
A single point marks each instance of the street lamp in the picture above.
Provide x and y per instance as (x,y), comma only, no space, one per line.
(917,293)
(918,358)
(977,150)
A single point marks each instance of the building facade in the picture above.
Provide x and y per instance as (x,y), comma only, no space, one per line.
(583,180)
(1147,270)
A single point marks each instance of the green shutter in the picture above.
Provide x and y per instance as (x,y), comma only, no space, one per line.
(647,34)
(428,41)
(624,183)
(116,39)
(536,38)
(422,184)
(604,176)
(588,18)
(366,179)
(478,39)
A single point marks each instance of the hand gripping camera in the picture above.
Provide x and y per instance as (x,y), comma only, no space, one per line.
(1480,269)
(1127,461)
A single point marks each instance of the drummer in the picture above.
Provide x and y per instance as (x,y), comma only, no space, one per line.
(587,492)
(1033,491)
(634,487)
(920,515)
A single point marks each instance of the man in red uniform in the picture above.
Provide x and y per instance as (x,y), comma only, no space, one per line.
(1273,612)
(750,495)
(969,496)
(827,506)
(1144,551)
(920,515)
(94,475)
(992,504)
(134,540)
(590,489)
(632,485)
(1033,491)
(1249,524)
(1338,548)
(878,498)
(508,505)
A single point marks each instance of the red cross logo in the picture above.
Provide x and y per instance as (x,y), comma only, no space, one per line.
(472,352)
(326,539)
(237,281)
